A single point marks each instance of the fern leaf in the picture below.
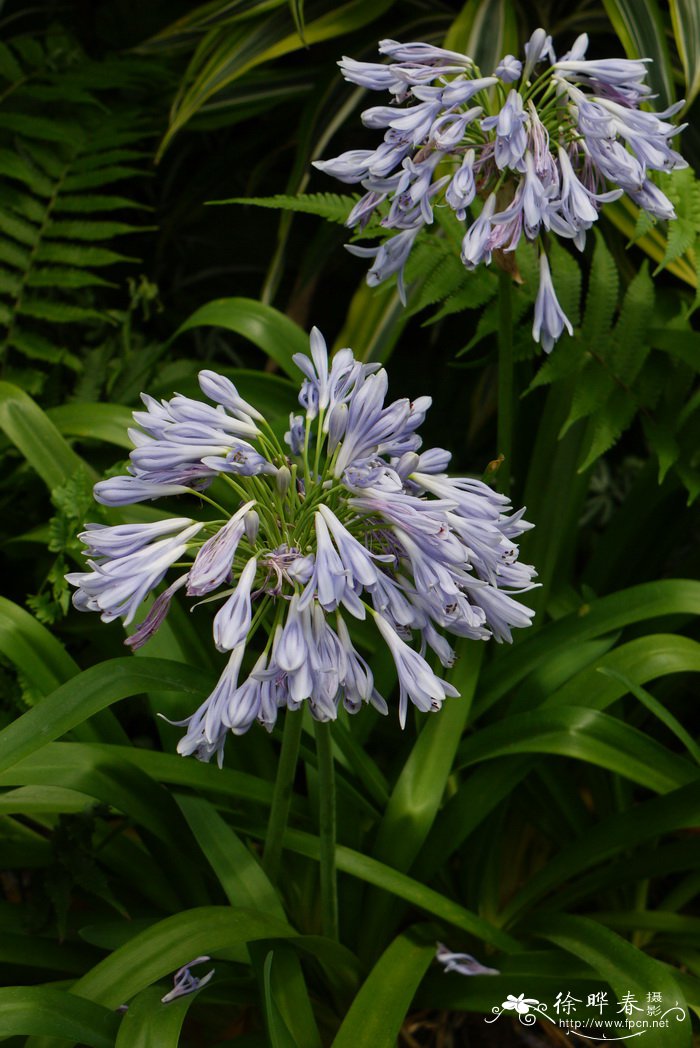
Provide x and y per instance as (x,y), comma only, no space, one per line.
(15,166)
(489,320)
(479,288)
(23,203)
(107,158)
(630,344)
(10,69)
(30,51)
(91,202)
(103,176)
(331,206)
(9,282)
(603,290)
(446,275)
(53,169)
(37,347)
(13,255)
(46,159)
(56,312)
(79,255)
(681,236)
(65,277)
(606,427)
(566,274)
(591,393)
(43,128)
(567,357)
(14,226)
(90,230)
(664,445)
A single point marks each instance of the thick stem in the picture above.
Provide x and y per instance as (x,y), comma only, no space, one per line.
(505,381)
(327,829)
(282,796)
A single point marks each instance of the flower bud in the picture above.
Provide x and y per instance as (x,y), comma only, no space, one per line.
(337,423)
(283,479)
(252,526)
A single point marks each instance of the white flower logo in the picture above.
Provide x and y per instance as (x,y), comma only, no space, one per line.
(520,1004)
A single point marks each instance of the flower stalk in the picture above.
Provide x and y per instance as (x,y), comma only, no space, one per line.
(282,795)
(506,400)
(327,829)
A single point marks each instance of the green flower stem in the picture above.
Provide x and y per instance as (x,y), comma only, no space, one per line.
(282,796)
(327,827)
(505,381)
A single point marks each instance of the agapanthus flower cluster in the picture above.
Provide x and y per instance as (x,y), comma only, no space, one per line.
(526,150)
(345,518)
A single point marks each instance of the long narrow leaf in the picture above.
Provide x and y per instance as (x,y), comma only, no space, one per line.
(36,437)
(378,1011)
(272,331)
(42,1010)
(685,16)
(87,694)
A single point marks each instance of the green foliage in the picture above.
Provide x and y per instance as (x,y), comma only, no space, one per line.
(59,215)
(330,206)
(74,503)
(232,42)
(616,368)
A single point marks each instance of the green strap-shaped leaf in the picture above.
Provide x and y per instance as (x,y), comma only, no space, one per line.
(685,16)
(87,694)
(42,659)
(36,437)
(640,27)
(586,735)
(420,788)
(42,799)
(635,604)
(85,768)
(219,61)
(646,658)
(43,1010)
(173,770)
(639,661)
(380,1007)
(108,422)
(273,395)
(374,322)
(278,1030)
(659,710)
(272,331)
(485,30)
(382,876)
(240,874)
(169,944)
(619,833)
(290,1019)
(150,1024)
(623,966)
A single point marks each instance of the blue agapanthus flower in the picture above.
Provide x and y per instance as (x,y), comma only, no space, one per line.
(349,518)
(536,147)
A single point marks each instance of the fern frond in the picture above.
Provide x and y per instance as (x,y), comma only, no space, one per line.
(630,343)
(601,299)
(61,152)
(478,288)
(331,206)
